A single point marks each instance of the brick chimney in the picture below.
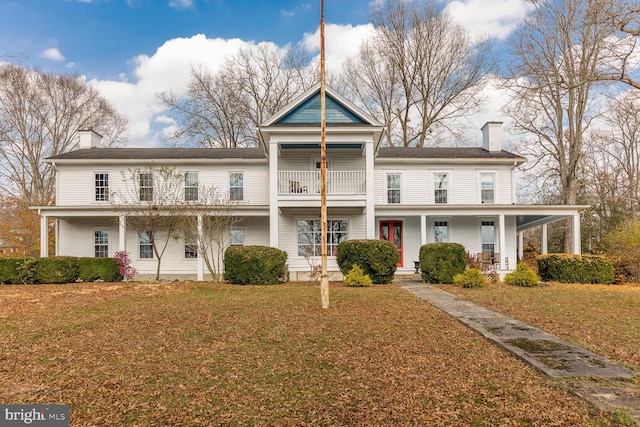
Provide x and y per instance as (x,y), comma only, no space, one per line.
(89,138)
(492,137)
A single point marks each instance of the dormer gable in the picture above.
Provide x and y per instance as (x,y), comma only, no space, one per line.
(305,110)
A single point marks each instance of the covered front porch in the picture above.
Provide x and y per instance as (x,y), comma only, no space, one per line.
(491,233)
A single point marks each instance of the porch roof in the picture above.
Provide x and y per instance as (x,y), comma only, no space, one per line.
(527,216)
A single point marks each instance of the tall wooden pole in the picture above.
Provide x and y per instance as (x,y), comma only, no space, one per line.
(324,281)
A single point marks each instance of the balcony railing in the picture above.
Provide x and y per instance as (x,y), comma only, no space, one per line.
(308,182)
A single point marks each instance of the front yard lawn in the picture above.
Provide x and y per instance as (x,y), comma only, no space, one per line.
(180,354)
(602,318)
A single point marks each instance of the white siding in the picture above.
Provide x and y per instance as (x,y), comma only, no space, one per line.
(463,184)
(76,183)
(76,238)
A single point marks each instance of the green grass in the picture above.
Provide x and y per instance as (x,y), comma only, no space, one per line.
(201,354)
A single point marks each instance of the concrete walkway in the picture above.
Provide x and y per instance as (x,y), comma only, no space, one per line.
(592,377)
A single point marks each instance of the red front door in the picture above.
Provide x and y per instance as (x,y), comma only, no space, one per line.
(392,231)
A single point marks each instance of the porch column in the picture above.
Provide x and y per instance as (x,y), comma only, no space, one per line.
(273,194)
(122,233)
(199,260)
(502,240)
(521,245)
(44,236)
(577,249)
(544,249)
(423,230)
(369,188)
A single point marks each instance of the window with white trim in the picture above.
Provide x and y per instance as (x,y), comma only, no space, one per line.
(146,249)
(488,238)
(487,187)
(236,237)
(191,186)
(440,186)
(393,188)
(101,180)
(146,186)
(310,236)
(101,244)
(441,231)
(236,186)
(190,246)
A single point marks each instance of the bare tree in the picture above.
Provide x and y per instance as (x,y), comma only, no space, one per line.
(152,202)
(224,109)
(212,233)
(420,74)
(557,52)
(613,164)
(40,114)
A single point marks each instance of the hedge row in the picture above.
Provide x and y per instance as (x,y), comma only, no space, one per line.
(567,268)
(57,270)
(255,265)
(378,259)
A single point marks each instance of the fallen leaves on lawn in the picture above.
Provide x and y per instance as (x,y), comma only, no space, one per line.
(202,354)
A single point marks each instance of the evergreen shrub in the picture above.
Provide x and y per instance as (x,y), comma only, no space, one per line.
(439,262)
(255,265)
(92,269)
(62,269)
(356,278)
(568,268)
(523,276)
(378,259)
(9,270)
(470,278)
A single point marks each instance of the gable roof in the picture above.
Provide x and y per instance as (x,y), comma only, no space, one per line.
(305,110)
(160,154)
(444,153)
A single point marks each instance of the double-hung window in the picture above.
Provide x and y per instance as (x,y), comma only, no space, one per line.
(236,186)
(191,186)
(393,188)
(488,238)
(101,180)
(441,231)
(310,236)
(146,249)
(146,186)
(101,244)
(487,187)
(190,246)
(440,185)
(236,237)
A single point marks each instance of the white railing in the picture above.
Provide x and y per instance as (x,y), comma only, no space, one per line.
(308,182)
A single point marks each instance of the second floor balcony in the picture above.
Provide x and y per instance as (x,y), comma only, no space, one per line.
(307,183)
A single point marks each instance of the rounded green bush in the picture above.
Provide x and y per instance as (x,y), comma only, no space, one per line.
(255,265)
(356,278)
(569,268)
(439,262)
(378,259)
(92,269)
(523,276)
(471,278)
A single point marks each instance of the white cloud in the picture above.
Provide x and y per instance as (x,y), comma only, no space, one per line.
(341,42)
(181,4)
(491,18)
(167,69)
(52,54)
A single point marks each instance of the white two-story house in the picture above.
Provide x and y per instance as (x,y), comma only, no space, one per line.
(409,196)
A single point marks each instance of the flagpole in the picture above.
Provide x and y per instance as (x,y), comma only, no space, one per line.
(324,281)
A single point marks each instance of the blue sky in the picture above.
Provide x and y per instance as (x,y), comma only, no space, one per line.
(98,38)
(133,49)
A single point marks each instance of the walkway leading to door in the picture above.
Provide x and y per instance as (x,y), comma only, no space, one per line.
(592,377)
